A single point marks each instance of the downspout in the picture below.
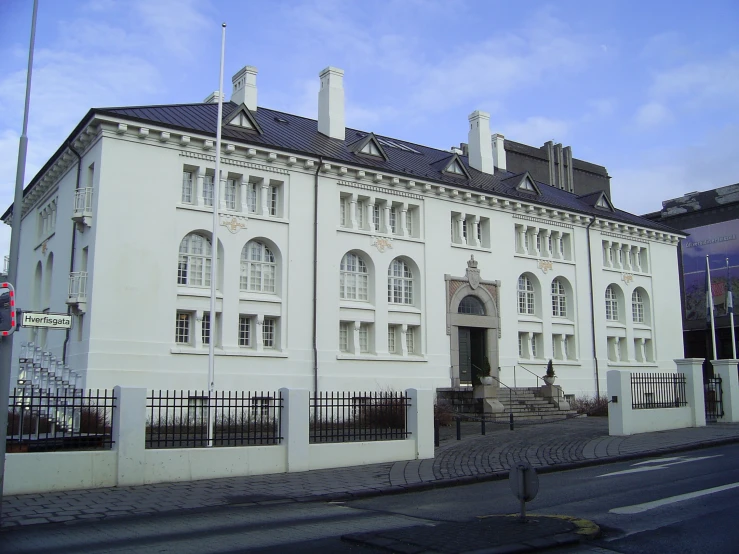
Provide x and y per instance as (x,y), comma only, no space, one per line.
(315,276)
(592,308)
(74,240)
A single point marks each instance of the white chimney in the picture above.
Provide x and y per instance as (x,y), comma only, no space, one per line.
(331,103)
(212,98)
(499,151)
(480,155)
(245,87)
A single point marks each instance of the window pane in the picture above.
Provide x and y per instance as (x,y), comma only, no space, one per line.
(182,328)
(244,331)
(187,187)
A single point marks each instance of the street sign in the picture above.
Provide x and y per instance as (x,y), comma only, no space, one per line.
(50,321)
(524,484)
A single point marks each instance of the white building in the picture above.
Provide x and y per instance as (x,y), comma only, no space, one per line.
(116,229)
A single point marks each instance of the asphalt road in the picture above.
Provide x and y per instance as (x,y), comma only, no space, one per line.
(676,503)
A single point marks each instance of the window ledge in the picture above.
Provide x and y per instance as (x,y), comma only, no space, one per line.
(183,290)
(356,305)
(643,326)
(245,352)
(43,240)
(369,233)
(622,270)
(259,297)
(632,364)
(224,211)
(382,358)
(615,324)
(403,308)
(529,318)
(542,362)
(470,247)
(543,258)
(561,320)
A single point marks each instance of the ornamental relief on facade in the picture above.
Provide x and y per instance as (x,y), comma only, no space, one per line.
(627,278)
(545,265)
(382,243)
(234,223)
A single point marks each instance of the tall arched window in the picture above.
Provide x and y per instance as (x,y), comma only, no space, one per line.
(559,300)
(354,278)
(195,259)
(471,305)
(611,304)
(525,295)
(399,283)
(258,268)
(637,307)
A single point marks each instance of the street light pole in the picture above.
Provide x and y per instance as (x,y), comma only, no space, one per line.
(6,344)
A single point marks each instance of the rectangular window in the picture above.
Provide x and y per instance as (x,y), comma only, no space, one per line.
(244,330)
(534,340)
(410,340)
(376,216)
(273,198)
(567,346)
(344,337)
(394,220)
(520,345)
(182,328)
(538,242)
(187,187)
(409,222)
(391,339)
(208,190)
(479,233)
(364,337)
(360,215)
(268,332)
(342,211)
(206,328)
(251,198)
(464,230)
(231,194)
(549,245)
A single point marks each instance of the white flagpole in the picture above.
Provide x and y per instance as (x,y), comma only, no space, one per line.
(730,309)
(709,299)
(214,247)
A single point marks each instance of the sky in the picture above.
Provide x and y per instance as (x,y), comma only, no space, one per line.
(648,89)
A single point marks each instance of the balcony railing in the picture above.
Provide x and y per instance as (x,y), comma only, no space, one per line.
(77,287)
(82,204)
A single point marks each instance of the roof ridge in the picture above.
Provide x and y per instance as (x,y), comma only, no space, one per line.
(105,109)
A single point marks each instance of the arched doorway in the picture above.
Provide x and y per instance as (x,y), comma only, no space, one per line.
(472,341)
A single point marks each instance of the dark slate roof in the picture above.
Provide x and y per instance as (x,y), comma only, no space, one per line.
(296,134)
(700,201)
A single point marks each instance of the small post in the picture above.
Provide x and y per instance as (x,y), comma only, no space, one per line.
(511,420)
(436,432)
(459,428)
(483,425)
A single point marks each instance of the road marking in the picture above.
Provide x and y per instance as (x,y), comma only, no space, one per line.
(639,508)
(660,460)
(644,468)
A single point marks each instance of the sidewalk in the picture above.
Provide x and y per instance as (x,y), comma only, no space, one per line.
(547,446)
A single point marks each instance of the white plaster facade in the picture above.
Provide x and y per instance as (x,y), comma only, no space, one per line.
(128,238)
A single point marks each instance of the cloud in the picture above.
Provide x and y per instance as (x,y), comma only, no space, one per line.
(700,82)
(652,115)
(537,130)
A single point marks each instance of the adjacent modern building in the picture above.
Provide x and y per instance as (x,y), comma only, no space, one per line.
(711,220)
(346,259)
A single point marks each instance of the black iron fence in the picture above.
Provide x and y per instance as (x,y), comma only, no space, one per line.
(362,416)
(714,398)
(64,420)
(658,390)
(182,419)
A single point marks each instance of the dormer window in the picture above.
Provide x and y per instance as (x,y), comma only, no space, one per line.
(371,149)
(455,168)
(241,118)
(526,186)
(602,203)
(452,165)
(241,121)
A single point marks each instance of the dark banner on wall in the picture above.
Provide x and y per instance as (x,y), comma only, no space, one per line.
(718,241)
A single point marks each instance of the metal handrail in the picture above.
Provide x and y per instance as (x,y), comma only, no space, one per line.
(532,373)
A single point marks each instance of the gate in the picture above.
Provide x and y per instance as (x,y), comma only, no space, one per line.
(713,395)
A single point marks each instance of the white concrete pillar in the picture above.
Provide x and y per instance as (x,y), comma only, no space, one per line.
(619,410)
(403,343)
(199,177)
(608,260)
(727,370)
(403,220)
(472,236)
(244,205)
(264,197)
(355,337)
(546,251)
(129,434)
(295,426)
(371,214)
(459,222)
(258,337)
(693,370)
(499,154)
(530,346)
(388,230)
(521,234)
(421,422)
(353,211)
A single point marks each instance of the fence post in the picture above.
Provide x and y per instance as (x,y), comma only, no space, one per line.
(619,411)
(129,434)
(296,428)
(421,421)
(693,370)
(727,370)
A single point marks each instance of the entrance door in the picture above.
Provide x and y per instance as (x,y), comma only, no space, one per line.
(471,352)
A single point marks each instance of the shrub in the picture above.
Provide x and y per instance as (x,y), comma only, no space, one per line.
(592,406)
(550,369)
(443,413)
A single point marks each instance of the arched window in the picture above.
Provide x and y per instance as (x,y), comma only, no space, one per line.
(258,268)
(354,278)
(471,305)
(559,300)
(637,307)
(194,263)
(399,283)
(611,304)
(525,295)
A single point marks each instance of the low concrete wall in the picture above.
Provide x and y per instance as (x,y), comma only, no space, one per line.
(130,463)
(34,472)
(625,420)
